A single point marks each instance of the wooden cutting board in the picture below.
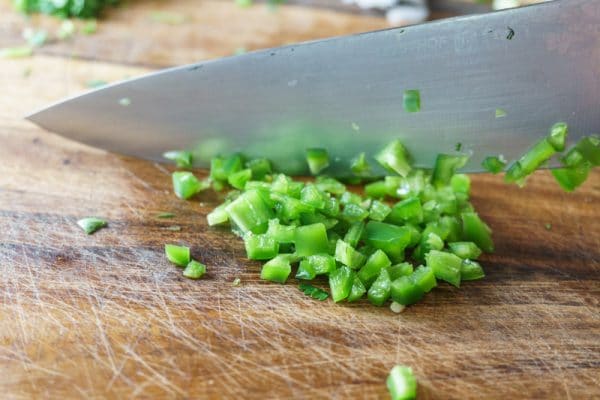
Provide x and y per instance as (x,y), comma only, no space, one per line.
(106,316)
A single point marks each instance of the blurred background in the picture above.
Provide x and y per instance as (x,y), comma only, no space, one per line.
(158,33)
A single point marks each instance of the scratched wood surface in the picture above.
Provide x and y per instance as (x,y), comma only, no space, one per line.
(106,316)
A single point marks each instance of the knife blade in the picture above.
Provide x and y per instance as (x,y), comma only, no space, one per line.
(538,64)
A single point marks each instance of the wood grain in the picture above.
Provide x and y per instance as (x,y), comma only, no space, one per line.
(106,316)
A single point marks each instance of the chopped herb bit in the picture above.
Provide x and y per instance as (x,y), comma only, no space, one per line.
(412,101)
(91,224)
(165,215)
(314,292)
(317,159)
(178,255)
(236,282)
(183,159)
(125,101)
(169,18)
(494,164)
(402,383)
(16,52)
(511,33)
(194,270)
(500,113)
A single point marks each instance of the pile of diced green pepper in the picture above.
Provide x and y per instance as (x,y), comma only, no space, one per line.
(393,238)
(395,241)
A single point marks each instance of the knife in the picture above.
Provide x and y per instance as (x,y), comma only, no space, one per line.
(537,65)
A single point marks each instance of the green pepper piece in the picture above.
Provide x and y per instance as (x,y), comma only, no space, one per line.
(239,179)
(394,158)
(358,290)
(465,250)
(424,278)
(281,233)
(260,167)
(494,164)
(91,224)
(379,211)
(317,159)
(411,100)
(445,167)
(407,210)
(376,190)
(340,283)
(445,266)
(372,268)
(398,270)
(249,212)
(471,270)
(354,233)
(571,178)
(461,183)
(183,159)
(477,231)
(260,247)
(194,270)
(348,256)
(380,290)
(178,255)
(185,184)
(276,270)
(391,239)
(359,165)
(558,136)
(322,264)
(402,383)
(311,239)
(305,271)
(405,291)
(312,196)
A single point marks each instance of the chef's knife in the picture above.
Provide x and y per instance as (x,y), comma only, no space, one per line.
(537,65)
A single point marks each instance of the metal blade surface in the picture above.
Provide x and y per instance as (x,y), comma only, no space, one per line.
(538,64)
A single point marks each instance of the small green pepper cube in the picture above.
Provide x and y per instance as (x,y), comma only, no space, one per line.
(239,179)
(194,270)
(276,270)
(424,278)
(183,159)
(461,183)
(445,266)
(394,158)
(312,196)
(477,231)
(306,270)
(571,178)
(249,212)
(186,185)
(406,292)
(445,167)
(358,290)
(91,224)
(281,233)
(407,210)
(348,255)
(494,164)
(354,233)
(471,270)
(311,239)
(402,383)
(465,250)
(398,270)
(376,190)
(359,165)
(178,255)
(411,100)
(317,159)
(379,211)
(391,239)
(217,216)
(372,268)
(260,167)
(354,213)
(322,264)
(260,247)
(380,290)
(340,283)
(558,136)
